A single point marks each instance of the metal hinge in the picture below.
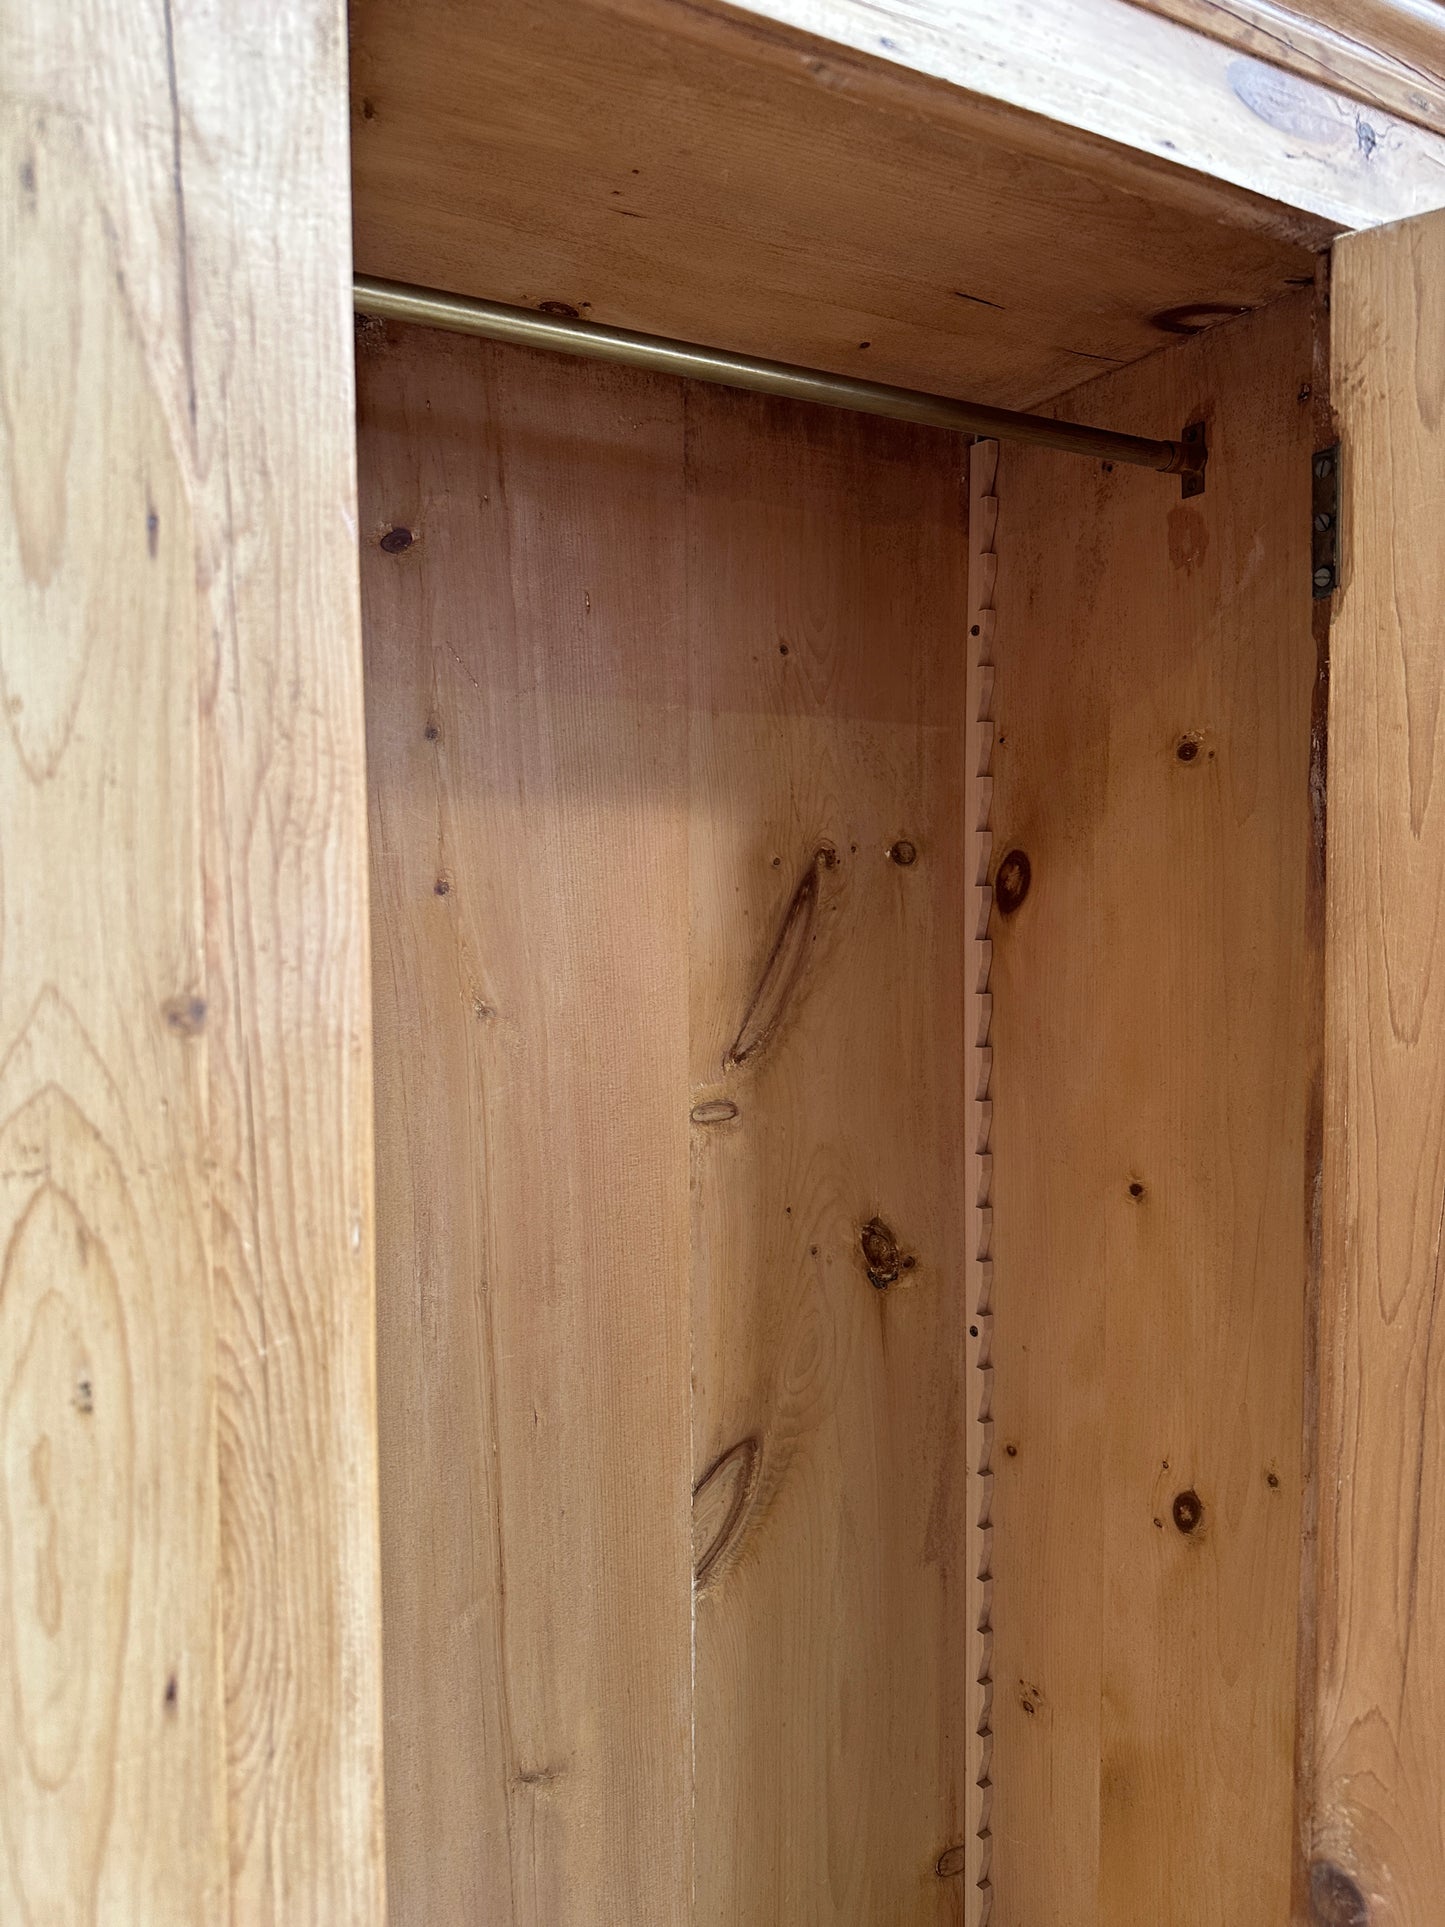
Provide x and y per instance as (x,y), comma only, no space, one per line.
(1325,522)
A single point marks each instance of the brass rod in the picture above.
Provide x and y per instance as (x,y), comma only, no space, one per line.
(463,314)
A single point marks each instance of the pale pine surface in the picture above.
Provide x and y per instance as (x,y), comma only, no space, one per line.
(188,1561)
(660,680)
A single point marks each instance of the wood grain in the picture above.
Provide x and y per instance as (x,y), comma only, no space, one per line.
(188,1623)
(1155,1019)
(1107,72)
(625,160)
(1380,1742)
(1385,53)
(528,738)
(108,1509)
(284,804)
(825,631)
(659,677)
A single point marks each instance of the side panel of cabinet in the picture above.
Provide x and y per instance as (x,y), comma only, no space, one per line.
(189,1637)
(665,703)
(1155,1034)
(1379,1854)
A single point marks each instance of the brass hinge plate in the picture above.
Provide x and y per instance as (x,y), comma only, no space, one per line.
(1325,522)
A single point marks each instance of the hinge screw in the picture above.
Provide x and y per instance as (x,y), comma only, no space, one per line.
(1324,579)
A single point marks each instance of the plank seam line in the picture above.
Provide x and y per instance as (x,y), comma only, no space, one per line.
(982,573)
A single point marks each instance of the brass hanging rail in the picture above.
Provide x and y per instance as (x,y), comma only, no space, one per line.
(463,314)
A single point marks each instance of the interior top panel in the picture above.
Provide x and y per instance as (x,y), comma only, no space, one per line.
(690,172)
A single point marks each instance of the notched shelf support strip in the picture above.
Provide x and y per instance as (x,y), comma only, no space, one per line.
(462,314)
(978,1270)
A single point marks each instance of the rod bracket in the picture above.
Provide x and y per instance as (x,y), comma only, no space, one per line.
(1193,456)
